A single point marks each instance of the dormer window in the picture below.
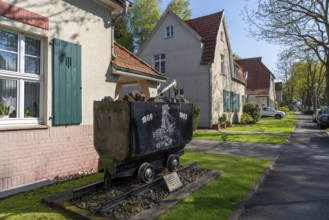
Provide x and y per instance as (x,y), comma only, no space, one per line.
(169,31)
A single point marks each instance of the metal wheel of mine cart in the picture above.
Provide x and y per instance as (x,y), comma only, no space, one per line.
(172,163)
(145,173)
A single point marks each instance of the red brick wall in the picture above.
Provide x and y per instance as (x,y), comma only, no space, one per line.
(30,155)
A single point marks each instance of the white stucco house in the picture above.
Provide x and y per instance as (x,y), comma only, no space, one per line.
(56,59)
(197,53)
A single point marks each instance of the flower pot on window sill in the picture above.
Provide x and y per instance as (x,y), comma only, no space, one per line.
(4,116)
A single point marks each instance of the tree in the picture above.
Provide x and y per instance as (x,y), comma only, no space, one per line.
(181,8)
(143,16)
(294,23)
(284,70)
(236,56)
(304,77)
(123,36)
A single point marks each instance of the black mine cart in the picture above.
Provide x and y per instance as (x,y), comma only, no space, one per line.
(137,138)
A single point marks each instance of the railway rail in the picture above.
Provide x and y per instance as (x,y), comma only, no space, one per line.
(113,202)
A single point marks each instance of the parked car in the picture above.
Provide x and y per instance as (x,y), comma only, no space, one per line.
(316,115)
(269,112)
(323,119)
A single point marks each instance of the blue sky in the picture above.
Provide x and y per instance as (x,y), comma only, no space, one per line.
(242,45)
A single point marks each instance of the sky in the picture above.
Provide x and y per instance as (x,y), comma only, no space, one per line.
(242,45)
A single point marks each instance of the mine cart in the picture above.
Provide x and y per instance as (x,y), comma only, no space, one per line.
(137,138)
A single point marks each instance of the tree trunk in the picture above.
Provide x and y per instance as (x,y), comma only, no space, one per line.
(326,94)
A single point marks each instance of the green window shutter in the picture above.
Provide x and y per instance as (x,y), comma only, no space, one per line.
(232,101)
(238,102)
(224,101)
(66,83)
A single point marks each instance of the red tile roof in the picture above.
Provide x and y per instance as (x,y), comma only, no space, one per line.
(128,61)
(259,76)
(207,27)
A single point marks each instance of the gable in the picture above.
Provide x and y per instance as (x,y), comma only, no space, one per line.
(167,15)
(259,76)
(207,27)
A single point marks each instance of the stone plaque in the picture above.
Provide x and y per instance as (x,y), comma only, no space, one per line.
(172,181)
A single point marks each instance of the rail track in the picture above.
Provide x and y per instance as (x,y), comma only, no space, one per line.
(113,202)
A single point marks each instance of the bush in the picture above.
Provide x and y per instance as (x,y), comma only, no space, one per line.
(246,118)
(222,118)
(254,110)
(308,112)
(285,109)
(196,116)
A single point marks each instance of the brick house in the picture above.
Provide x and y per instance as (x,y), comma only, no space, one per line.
(197,53)
(260,82)
(56,58)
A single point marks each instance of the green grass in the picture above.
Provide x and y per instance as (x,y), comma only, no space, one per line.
(285,124)
(219,198)
(251,138)
(216,200)
(28,205)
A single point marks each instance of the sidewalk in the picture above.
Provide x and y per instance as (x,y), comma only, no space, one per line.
(298,186)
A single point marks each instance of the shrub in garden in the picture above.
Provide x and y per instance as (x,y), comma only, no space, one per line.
(285,109)
(254,110)
(308,112)
(222,118)
(246,118)
(196,116)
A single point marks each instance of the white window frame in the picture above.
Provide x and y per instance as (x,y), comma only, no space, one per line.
(21,78)
(169,31)
(160,60)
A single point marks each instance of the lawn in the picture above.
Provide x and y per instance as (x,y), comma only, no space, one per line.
(251,138)
(217,200)
(285,124)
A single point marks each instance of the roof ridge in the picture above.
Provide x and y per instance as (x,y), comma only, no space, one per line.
(135,56)
(252,58)
(220,12)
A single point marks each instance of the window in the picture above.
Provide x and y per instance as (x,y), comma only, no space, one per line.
(231,101)
(179,92)
(222,36)
(169,31)
(236,72)
(21,78)
(159,61)
(222,64)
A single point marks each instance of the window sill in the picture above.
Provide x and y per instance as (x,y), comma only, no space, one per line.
(22,127)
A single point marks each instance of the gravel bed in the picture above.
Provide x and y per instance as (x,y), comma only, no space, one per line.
(135,203)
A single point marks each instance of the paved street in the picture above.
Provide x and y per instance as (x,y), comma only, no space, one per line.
(298,187)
